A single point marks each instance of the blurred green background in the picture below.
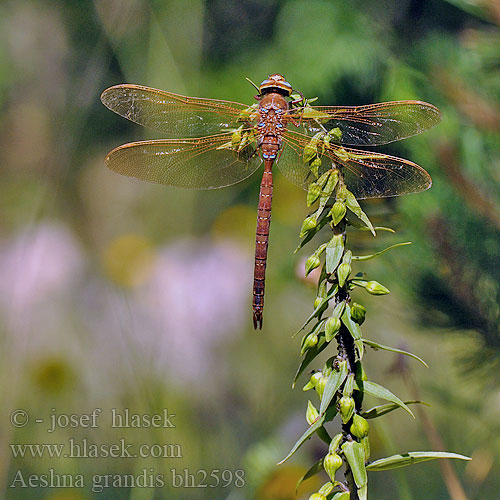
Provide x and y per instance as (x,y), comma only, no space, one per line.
(121,294)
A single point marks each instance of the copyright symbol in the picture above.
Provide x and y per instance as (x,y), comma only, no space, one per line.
(19,418)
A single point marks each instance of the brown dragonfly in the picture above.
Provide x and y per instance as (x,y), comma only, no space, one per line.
(228,141)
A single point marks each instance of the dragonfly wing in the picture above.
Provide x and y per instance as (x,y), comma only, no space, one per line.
(376,175)
(372,124)
(366,174)
(203,163)
(175,114)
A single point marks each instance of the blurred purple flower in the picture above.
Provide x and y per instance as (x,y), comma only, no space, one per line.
(38,266)
(198,295)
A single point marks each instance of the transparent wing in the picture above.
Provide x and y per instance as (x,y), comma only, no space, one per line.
(203,163)
(369,125)
(175,114)
(366,174)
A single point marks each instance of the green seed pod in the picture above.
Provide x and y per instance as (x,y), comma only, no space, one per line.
(332,326)
(310,151)
(315,378)
(317,496)
(315,165)
(236,136)
(335,442)
(317,301)
(320,386)
(312,262)
(359,427)
(335,134)
(308,224)
(332,463)
(310,341)
(313,193)
(331,183)
(338,211)
(358,313)
(343,272)
(311,414)
(324,178)
(346,408)
(326,489)
(375,288)
(342,495)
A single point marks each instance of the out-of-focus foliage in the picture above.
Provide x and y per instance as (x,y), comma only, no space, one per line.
(115,293)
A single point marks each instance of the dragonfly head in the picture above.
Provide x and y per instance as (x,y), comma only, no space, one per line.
(276,83)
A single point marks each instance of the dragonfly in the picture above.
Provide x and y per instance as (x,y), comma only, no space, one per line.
(224,142)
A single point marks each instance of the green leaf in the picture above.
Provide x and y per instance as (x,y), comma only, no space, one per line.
(351,325)
(332,385)
(315,469)
(334,251)
(363,492)
(410,458)
(375,345)
(310,234)
(359,346)
(355,208)
(310,355)
(377,228)
(355,455)
(381,392)
(378,411)
(308,433)
(372,256)
(318,309)
(323,435)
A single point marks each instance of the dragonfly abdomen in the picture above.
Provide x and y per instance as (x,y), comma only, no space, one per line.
(261,242)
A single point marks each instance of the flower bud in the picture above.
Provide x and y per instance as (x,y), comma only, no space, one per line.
(323,179)
(359,427)
(332,326)
(344,495)
(313,193)
(308,224)
(375,288)
(311,414)
(236,137)
(312,262)
(343,272)
(310,151)
(315,378)
(332,463)
(314,166)
(338,211)
(346,408)
(358,313)
(335,442)
(326,489)
(317,496)
(320,386)
(317,302)
(335,134)
(310,341)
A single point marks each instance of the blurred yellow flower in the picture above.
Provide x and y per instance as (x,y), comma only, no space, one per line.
(128,260)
